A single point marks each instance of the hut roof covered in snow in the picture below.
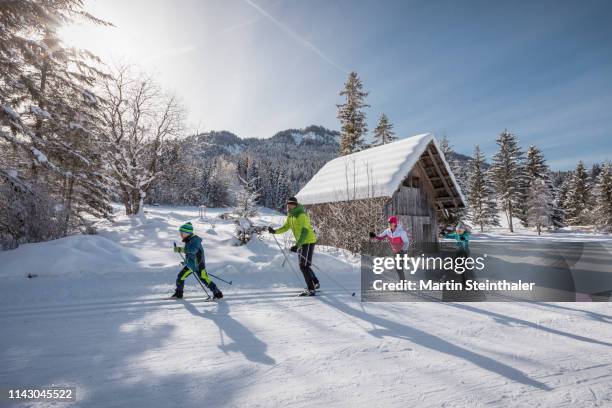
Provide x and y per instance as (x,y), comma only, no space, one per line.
(379,172)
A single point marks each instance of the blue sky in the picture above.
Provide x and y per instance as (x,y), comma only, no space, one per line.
(467,69)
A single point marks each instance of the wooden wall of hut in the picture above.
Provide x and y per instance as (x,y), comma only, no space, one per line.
(413,203)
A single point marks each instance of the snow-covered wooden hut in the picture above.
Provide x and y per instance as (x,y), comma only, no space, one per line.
(409,178)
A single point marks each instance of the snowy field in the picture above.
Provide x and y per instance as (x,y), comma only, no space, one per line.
(94,318)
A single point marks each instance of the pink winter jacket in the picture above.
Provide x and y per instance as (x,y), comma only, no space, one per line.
(398,239)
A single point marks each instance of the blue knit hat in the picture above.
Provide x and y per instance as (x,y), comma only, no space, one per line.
(187,228)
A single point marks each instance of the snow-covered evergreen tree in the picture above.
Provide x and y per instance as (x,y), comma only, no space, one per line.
(49,113)
(245,209)
(578,201)
(537,170)
(445,147)
(596,169)
(461,173)
(559,195)
(535,165)
(246,198)
(603,198)
(539,208)
(383,133)
(352,117)
(218,185)
(481,200)
(508,175)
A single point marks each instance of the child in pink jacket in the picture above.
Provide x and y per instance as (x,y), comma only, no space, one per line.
(396,235)
(398,238)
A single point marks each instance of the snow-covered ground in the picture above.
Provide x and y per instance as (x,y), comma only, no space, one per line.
(94,317)
(521,233)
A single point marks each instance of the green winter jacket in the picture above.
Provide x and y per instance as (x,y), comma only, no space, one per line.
(298,221)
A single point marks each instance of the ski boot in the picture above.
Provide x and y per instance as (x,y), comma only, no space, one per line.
(307,292)
(176,295)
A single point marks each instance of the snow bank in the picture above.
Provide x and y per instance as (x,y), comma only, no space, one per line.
(141,246)
(65,256)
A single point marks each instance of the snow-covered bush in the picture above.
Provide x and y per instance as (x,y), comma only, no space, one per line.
(28,213)
(347,224)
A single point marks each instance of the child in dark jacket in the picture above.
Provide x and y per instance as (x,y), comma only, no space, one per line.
(194,262)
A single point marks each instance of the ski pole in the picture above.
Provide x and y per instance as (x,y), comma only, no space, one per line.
(221,279)
(194,274)
(201,284)
(326,274)
(286,259)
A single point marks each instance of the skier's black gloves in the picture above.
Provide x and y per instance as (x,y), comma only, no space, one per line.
(372,235)
(271,230)
(293,248)
(462,238)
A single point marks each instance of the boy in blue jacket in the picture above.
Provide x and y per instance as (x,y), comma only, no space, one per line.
(194,262)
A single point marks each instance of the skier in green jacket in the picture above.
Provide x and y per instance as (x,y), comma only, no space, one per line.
(299,223)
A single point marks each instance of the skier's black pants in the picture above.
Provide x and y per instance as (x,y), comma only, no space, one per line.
(305,256)
(400,271)
(463,253)
(185,272)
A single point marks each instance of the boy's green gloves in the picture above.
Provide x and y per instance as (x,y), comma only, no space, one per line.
(179,250)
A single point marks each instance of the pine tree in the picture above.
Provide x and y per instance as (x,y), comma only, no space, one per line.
(245,209)
(559,190)
(383,133)
(352,117)
(483,209)
(445,147)
(535,165)
(539,208)
(218,185)
(603,198)
(460,172)
(578,201)
(508,174)
(454,215)
(49,111)
(596,169)
(537,170)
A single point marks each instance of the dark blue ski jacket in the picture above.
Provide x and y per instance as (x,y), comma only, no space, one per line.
(194,253)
